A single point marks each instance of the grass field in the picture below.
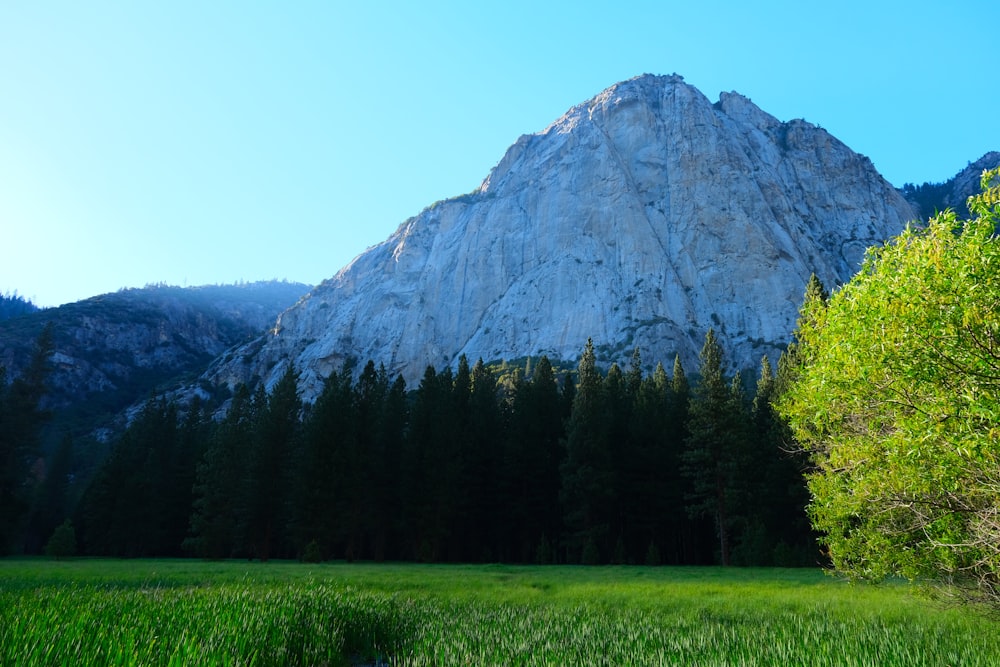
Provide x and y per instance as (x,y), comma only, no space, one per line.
(162,612)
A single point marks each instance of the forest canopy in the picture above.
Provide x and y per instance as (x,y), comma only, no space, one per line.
(615,467)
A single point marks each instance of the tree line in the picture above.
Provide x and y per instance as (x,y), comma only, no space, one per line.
(890,388)
(13,304)
(536,466)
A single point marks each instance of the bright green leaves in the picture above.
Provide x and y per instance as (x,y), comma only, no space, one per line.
(896,394)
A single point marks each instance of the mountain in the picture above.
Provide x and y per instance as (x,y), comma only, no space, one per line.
(640,218)
(929,198)
(118,348)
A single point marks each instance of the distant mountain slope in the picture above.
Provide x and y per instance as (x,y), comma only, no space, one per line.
(930,198)
(115,349)
(642,217)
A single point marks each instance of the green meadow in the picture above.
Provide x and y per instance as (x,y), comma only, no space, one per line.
(184,612)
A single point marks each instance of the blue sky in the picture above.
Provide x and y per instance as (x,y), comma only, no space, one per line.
(211,142)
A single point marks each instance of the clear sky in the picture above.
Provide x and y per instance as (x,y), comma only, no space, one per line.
(211,142)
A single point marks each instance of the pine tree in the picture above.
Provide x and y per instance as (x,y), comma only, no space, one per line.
(325,469)
(782,491)
(266,494)
(619,455)
(368,486)
(387,479)
(129,510)
(814,301)
(531,466)
(713,457)
(531,405)
(633,378)
(431,459)
(194,434)
(651,468)
(21,419)
(51,506)
(482,445)
(587,484)
(363,409)
(219,480)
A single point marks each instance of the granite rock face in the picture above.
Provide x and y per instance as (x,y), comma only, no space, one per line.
(640,218)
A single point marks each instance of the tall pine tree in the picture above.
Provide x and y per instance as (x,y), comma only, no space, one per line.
(587,473)
(219,481)
(139,503)
(713,457)
(266,492)
(21,419)
(534,454)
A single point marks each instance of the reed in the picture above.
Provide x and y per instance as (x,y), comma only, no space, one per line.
(237,613)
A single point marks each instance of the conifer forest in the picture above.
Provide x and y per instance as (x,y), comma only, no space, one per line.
(525,464)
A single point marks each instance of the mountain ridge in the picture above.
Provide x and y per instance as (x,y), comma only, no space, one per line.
(930,198)
(626,220)
(112,350)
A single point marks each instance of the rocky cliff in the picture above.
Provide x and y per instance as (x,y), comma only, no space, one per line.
(642,217)
(114,349)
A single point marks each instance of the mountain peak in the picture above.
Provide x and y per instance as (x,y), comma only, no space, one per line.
(639,218)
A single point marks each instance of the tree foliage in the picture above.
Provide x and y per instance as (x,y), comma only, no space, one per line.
(62,543)
(220,476)
(715,454)
(21,419)
(269,481)
(469,466)
(896,395)
(15,305)
(139,503)
(588,474)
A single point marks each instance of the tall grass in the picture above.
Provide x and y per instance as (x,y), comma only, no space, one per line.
(226,625)
(189,612)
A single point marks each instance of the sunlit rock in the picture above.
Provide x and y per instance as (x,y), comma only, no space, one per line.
(640,218)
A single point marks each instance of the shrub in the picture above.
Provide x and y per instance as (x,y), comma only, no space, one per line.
(62,544)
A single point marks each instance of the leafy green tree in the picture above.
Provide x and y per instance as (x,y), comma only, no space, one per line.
(62,543)
(897,398)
